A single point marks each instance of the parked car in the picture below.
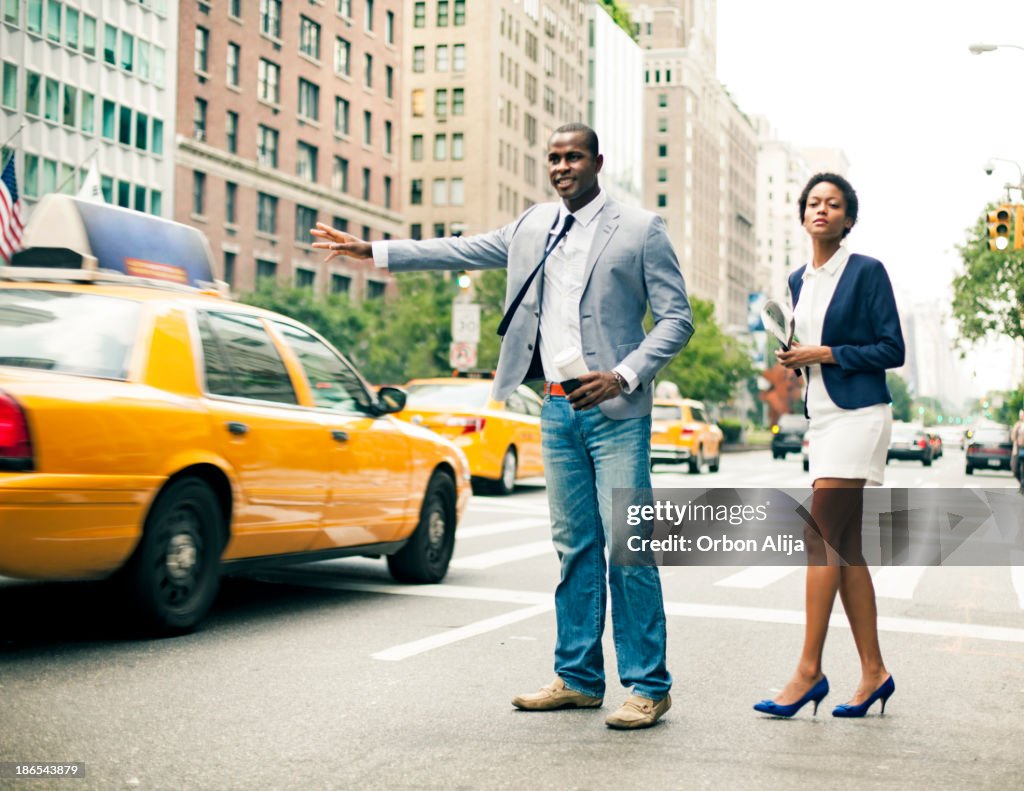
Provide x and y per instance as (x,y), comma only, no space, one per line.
(989,449)
(788,435)
(935,440)
(501,439)
(682,434)
(157,432)
(910,443)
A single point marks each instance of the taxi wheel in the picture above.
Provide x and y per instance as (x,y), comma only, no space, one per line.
(174,573)
(696,462)
(426,554)
(506,484)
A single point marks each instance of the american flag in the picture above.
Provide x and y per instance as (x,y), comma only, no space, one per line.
(12,224)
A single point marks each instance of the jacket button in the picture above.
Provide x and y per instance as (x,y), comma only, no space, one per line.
(529,347)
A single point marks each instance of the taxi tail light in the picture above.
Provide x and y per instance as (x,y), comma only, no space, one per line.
(922,443)
(687,431)
(15,443)
(469,425)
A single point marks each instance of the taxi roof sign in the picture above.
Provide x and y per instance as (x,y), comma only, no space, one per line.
(116,240)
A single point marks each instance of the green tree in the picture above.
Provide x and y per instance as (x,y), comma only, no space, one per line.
(988,296)
(900,396)
(621,16)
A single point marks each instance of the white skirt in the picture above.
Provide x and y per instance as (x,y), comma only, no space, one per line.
(849,443)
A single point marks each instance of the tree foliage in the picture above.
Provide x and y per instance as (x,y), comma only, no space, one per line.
(988,296)
(901,403)
(620,16)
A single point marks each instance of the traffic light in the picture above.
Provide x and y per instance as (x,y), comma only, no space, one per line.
(1018,228)
(999,227)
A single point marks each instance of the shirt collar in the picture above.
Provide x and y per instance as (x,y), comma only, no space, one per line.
(586,215)
(831,267)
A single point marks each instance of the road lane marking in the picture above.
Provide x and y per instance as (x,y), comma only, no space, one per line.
(897,582)
(757,576)
(476,531)
(498,557)
(1017,575)
(406,650)
(507,510)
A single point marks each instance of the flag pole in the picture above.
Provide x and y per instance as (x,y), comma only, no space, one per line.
(17,132)
(74,171)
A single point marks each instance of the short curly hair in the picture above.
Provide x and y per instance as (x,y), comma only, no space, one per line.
(849,195)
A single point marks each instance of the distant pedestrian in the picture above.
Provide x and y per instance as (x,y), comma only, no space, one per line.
(581,275)
(849,333)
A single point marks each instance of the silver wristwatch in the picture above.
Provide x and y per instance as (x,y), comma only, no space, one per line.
(621,380)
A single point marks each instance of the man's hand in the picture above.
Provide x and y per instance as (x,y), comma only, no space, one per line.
(340,243)
(801,356)
(595,387)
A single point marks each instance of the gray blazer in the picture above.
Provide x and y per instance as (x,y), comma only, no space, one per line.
(631,264)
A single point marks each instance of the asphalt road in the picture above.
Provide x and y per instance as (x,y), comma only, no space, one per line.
(329,676)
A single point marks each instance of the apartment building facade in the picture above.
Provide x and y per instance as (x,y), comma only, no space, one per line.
(289,114)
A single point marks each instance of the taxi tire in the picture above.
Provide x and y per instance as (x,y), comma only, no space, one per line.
(509,471)
(187,514)
(427,553)
(696,462)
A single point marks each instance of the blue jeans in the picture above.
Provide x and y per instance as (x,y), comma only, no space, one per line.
(586,456)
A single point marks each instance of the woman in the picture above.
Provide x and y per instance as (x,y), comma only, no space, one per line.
(849,334)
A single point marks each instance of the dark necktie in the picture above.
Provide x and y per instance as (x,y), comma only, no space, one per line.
(507,318)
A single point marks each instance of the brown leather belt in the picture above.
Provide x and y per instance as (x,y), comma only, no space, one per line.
(554,389)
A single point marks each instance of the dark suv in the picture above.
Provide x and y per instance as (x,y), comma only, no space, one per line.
(788,435)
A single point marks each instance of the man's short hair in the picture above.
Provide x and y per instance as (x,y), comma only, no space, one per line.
(589,134)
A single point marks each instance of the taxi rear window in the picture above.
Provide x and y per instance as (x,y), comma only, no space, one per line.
(662,412)
(449,395)
(73,333)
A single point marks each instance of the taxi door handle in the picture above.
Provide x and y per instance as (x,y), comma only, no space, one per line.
(237,428)
(339,436)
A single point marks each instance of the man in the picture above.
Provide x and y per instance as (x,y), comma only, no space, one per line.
(600,265)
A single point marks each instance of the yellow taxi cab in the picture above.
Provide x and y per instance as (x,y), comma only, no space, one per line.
(681,433)
(501,440)
(160,433)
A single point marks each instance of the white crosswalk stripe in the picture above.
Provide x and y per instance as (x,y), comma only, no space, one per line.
(757,577)
(498,557)
(897,582)
(479,531)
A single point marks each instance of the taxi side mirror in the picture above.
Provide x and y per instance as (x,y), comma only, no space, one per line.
(391,399)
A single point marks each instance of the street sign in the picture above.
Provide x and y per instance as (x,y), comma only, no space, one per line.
(462,356)
(466,323)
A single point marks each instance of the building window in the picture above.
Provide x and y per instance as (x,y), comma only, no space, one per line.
(339,175)
(459,57)
(663,150)
(230,202)
(460,12)
(266,146)
(389,28)
(417,148)
(89,35)
(419,101)
(198,192)
(266,271)
(70,115)
(387,192)
(416,231)
(368,69)
(375,289)
(458,146)
(309,38)
(441,57)
(389,134)
(305,218)
(124,125)
(367,177)
(341,116)
(416,192)
(110,45)
(440,147)
(141,127)
(345,8)
(342,57)
(662,100)
(340,284)
(369,16)
(419,59)
(231,132)
(266,213)
(88,116)
(51,101)
(441,102)
(662,124)
(270,18)
(109,119)
(662,200)
(662,175)
(440,194)
(234,60)
(199,120)
(389,82)
(158,137)
(458,196)
(202,58)
(305,161)
(530,128)
(442,13)
(367,127)
(309,100)
(127,51)
(235,8)
(419,14)
(268,81)
(305,278)
(438,230)
(229,267)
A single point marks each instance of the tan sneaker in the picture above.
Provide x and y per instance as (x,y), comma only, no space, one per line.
(638,712)
(555,696)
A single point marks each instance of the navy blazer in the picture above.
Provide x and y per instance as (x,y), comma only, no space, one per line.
(862,326)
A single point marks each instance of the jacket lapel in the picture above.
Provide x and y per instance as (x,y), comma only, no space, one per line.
(609,221)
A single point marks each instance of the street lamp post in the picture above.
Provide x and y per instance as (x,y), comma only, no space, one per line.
(978,49)
(989,167)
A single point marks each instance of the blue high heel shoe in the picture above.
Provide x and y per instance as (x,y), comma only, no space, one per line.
(816,693)
(883,693)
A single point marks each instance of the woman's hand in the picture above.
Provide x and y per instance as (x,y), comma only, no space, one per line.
(340,243)
(801,356)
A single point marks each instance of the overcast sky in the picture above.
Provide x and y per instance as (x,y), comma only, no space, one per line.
(892,84)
